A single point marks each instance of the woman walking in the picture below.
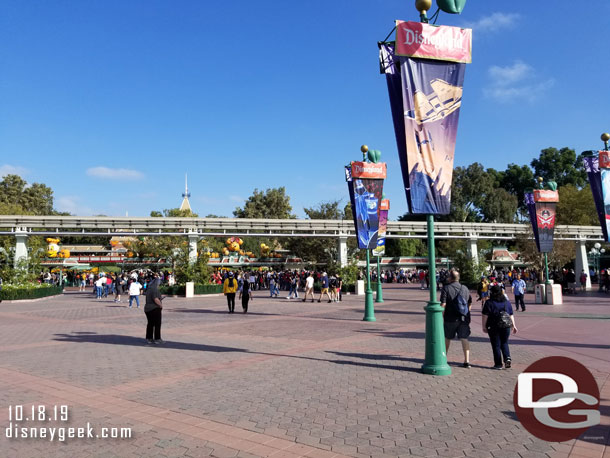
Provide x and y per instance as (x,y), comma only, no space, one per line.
(117,288)
(245,296)
(229,289)
(498,320)
(153,308)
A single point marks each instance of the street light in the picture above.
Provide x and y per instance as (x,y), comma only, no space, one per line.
(596,253)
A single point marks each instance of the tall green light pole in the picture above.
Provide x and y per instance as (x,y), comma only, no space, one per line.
(436,358)
(369,308)
(379,295)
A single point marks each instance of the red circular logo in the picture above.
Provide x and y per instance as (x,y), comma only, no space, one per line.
(557,399)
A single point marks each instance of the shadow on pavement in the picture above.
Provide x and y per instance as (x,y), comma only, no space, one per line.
(116,339)
(512,341)
(238,311)
(377,356)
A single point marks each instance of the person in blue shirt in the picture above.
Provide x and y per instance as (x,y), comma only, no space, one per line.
(519,292)
(324,285)
(499,332)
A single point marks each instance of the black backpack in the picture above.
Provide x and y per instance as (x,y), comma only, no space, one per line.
(502,319)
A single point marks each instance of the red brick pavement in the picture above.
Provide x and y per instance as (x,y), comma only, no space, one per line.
(288,379)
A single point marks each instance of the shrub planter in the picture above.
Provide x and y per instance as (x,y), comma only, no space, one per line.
(16,293)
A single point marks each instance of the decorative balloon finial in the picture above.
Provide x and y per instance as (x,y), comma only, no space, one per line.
(605,138)
(364,149)
(422,6)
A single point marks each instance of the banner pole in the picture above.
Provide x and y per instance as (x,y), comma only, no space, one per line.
(436,357)
(547,281)
(369,308)
(379,295)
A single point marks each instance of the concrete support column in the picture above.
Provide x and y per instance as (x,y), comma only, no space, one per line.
(473,250)
(21,245)
(582,263)
(342,251)
(193,239)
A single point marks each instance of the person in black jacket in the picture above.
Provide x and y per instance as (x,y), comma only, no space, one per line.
(498,328)
(454,322)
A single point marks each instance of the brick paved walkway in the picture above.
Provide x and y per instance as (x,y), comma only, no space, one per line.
(288,379)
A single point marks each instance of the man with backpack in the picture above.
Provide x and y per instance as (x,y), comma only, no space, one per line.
(456,300)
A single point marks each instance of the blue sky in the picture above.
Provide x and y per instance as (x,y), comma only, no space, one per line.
(111,102)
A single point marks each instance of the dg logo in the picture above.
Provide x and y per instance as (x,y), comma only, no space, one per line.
(557,399)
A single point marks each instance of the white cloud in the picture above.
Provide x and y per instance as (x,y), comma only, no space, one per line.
(530,93)
(8,169)
(516,82)
(72,204)
(114,174)
(503,76)
(236,199)
(494,22)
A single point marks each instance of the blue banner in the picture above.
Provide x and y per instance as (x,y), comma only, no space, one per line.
(595,180)
(425,98)
(531,209)
(367,198)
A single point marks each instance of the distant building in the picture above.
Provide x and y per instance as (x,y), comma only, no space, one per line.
(185,201)
(502,257)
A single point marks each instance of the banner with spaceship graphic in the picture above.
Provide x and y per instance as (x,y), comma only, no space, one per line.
(598,169)
(546,211)
(365,181)
(425,97)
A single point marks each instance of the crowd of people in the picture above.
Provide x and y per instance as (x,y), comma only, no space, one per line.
(498,319)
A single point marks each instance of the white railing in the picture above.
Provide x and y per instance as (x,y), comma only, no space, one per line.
(102,225)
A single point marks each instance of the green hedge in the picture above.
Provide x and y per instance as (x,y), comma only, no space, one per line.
(176,290)
(15,294)
(180,290)
(208,289)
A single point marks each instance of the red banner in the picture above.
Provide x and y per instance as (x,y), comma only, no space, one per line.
(545,195)
(369,170)
(416,39)
(385,204)
(604,159)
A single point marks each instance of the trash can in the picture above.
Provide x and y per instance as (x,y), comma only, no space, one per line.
(553,295)
(359,287)
(540,292)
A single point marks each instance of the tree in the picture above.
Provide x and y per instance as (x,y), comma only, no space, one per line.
(173,213)
(560,166)
(469,187)
(314,249)
(516,180)
(271,204)
(18,198)
(499,206)
(562,254)
(177,213)
(404,247)
(576,206)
